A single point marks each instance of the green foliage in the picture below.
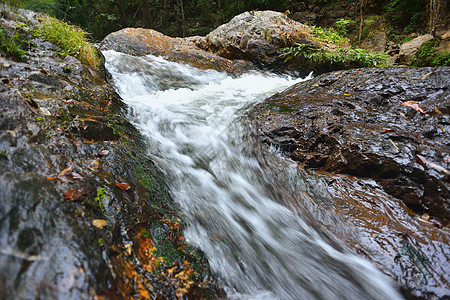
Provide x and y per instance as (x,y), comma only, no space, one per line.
(441,59)
(9,5)
(426,56)
(342,26)
(347,56)
(101,242)
(10,45)
(50,7)
(405,16)
(40,119)
(71,39)
(99,200)
(329,35)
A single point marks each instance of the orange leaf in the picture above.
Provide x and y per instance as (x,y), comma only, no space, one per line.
(415,105)
(447,159)
(417,136)
(123,186)
(51,178)
(387,130)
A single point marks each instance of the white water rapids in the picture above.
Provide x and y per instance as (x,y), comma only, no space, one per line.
(261,249)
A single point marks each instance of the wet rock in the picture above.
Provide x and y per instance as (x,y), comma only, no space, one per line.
(368,160)
(353,122)
(64,225)
(257,36)
(139,41)
(408,49)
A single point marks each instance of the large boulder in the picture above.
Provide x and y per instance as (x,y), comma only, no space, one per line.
(257,36)
(408,49)
(139,41)
(390,125)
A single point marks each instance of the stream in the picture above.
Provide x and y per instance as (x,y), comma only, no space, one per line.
(233,197)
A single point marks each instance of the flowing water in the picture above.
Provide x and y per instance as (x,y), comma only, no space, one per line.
(261,247)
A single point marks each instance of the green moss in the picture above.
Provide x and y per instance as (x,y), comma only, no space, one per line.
(3,155)
(39,119)
(280,108)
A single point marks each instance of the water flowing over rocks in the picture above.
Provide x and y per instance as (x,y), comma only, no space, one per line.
(379,139)
(84,213)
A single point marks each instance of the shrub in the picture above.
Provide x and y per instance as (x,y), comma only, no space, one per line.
(72,40)
(346,56)
(10,45)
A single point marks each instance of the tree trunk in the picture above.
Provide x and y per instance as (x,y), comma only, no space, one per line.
(183,21)
(361,4)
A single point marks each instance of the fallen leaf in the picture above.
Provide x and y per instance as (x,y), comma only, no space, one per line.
(75,175)
(396,147)
(426,163)
(421,160)
(128,248)
(447,159)
(387,130)
(99,223)
(405,117)
(103,153)
(425,216)
(66,170)
(441,128)
(417,136)
(51,178)
(426,75)
(123,186)
(75,194)
(438,111)
(415,105)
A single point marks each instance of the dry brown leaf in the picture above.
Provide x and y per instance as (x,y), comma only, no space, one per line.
(66,170)
(415,105)
(123,186)
(99,223)
(75,194)
(426,163)
(447,159)
(51,178)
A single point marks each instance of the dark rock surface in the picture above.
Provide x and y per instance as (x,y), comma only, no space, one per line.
(67,230)
(353,122)
(374,156)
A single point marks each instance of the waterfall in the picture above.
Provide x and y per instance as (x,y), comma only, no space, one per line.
(197,133)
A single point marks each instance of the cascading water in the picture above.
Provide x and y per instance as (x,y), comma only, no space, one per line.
(262,249)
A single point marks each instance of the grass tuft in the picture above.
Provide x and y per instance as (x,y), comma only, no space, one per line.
(71,39)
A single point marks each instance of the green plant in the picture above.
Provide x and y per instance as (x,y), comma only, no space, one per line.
(9,5)
(3,155)
(441,59)
(349,56)
(101,242)
(71,39)
(39,119)
(98,201)
(342,26)
(10,45)
(329,35)
(425,54)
